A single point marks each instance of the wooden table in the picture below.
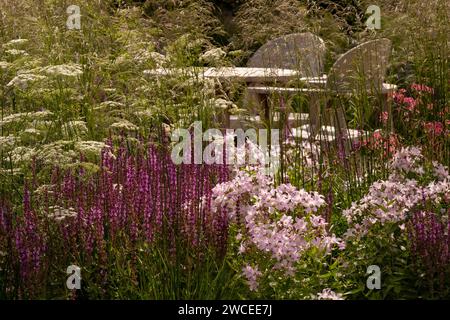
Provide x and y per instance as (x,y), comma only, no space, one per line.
(249,75)
(264,81)
(260,76)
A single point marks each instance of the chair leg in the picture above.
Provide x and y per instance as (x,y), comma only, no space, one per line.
(314,114)
(387,106)
(284,115)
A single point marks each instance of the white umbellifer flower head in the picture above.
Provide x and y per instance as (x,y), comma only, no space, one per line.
(16,52)
(124,125)
(213,55)
(4,65)
(44,189)
(225,105)
(22,81)
(13,171)
(158,58)
(67,70)
(221,103)
(32,132)
(39,115)
(59,213)
(15,43)
(12,118)
(110,105)
(8,142)
(75,127)
(144,113)
(194,44)
(90,147)
(22,154)
(56,153)
(143,55)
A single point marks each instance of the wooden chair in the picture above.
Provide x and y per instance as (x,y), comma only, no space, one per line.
(360,70)
(303,52)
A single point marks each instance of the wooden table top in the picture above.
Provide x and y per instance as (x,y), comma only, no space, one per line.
(230,73)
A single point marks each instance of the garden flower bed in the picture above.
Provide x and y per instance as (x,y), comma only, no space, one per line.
(88,180)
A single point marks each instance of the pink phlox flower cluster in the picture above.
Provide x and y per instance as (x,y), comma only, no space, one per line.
(386,201)
(438,191)
(281,222)
(394,199)
(287,198)
(228,195)
(440,171)
(251,274)
(328,294)
(408,159)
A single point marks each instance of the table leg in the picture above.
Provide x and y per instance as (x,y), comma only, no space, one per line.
(226,119)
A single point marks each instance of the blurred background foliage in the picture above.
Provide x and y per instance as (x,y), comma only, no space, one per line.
(242,26)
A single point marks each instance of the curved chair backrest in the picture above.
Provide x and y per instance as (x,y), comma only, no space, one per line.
(363,67)
(304,52)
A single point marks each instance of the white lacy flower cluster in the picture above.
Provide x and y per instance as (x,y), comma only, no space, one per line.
(205,87)
(16,52)
(137,50)
(109,105)
(59,214)
(90,147)
(26,77)
(4,65)
(159,59)
(222,104)
(57,153)
(15,43)
(23,80)
(144,55)
(7,143)
(213,56)
(66,70)
(124,125)
(21,155)
(75,129)
(25,116)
